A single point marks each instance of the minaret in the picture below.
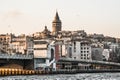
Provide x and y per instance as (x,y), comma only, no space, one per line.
(56,24)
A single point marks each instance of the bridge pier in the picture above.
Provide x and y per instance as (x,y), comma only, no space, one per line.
(28,64)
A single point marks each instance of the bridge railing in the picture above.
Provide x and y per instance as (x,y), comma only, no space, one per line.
(15,56)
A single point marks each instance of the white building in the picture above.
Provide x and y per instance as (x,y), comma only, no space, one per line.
(106,53)
(114,46)
(44,54)
(40,54)
(81,49)
(47,53)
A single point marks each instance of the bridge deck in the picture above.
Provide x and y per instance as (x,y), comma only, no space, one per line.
(88,61)
(15,56)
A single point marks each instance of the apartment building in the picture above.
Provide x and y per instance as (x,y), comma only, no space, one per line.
(22,44)
(81,50)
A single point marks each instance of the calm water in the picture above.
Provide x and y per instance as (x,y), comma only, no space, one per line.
(87,76)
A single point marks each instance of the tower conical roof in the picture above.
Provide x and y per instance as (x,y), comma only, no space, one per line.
(56,19)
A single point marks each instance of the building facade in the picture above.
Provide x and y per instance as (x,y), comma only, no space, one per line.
(81,49)
(21,44)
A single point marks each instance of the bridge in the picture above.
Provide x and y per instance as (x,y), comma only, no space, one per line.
(27,61)
(16,61)
(15,56)
(102,63)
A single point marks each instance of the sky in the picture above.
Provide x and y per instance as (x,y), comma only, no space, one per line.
(30,16)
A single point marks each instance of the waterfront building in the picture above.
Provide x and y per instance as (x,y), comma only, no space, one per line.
(81,50)
(58,49)
(46,54)
(54,53)
(40,53)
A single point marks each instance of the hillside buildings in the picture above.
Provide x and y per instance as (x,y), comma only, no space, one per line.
(49,46)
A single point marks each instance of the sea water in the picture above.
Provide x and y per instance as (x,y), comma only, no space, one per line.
(81,76)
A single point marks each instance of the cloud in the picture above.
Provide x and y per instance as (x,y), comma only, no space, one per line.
(11,14)
(14,13)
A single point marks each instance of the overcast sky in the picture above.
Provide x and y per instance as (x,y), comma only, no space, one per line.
(29,16)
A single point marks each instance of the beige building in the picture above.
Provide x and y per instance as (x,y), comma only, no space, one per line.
(5,40)
(40,48)
(21,44)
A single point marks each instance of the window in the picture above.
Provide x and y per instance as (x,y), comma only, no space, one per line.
(81,51)
(84,54)
(87,54)
(82,44)
(40,48)
(74,57)
(81,54)
(52,54)
(70,52)
(74,46)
